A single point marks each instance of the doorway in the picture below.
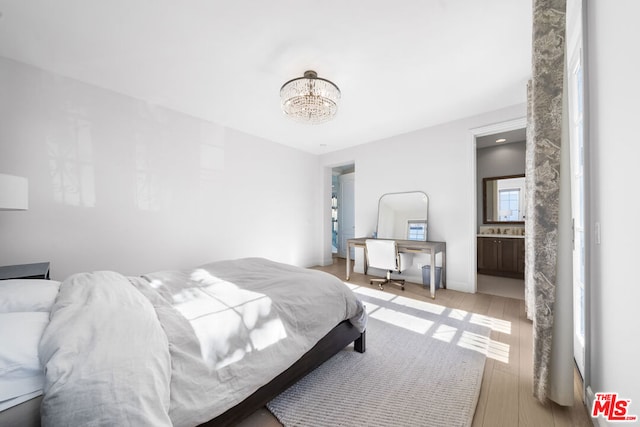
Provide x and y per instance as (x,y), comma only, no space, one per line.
(342,208)
(498,152)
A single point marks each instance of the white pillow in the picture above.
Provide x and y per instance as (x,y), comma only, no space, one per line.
(27,295)
(20,370)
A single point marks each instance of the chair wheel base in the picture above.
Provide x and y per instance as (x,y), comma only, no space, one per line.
(382,282)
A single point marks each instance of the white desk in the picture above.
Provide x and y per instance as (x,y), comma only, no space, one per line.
(407,246)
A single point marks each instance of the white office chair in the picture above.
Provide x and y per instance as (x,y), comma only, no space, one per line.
(383,254)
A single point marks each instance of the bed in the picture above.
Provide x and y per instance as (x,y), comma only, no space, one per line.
(205,346)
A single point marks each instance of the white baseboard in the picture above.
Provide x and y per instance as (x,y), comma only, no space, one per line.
(590,397)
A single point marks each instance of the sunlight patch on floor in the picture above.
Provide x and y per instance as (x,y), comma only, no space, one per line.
(498,351)
(419,305)
(458,314)
(351,285)
(402,320)
(374,293)
(498,325)
(445,333)
(492,323)
(370,307)
(492,349)
(485,345)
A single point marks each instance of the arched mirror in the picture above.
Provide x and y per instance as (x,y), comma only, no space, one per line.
(503,199)
(403,216)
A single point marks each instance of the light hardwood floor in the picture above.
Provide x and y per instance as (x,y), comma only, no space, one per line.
(501,286)
(505,396)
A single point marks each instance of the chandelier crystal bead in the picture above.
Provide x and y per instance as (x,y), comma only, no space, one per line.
(310,99)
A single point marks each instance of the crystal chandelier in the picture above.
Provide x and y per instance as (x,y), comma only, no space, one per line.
(310,99)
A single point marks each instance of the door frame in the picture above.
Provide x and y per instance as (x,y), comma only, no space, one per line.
(343,247)
(326,256)
(475,133)
(576,51)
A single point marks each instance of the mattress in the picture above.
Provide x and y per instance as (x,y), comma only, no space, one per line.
(25,305)
(179,347)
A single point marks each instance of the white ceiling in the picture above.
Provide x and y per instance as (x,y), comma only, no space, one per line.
(401,65)
(518,135)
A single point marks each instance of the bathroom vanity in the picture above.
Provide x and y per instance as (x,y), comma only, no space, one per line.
(501,255)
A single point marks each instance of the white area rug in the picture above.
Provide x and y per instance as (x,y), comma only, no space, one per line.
(423,366)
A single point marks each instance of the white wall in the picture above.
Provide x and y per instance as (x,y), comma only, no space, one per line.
(613,90)
(439,161)
(116,183)
(500,160)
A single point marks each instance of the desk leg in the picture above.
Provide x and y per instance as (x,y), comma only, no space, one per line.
(348,260)
(366,261)
(433,274)
(444,269)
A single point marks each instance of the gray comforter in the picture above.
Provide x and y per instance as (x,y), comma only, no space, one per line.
(181,347)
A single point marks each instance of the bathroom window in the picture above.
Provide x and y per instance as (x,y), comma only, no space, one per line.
(509,208)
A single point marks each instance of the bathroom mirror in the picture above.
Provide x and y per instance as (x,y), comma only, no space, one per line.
(503,199)
(403,216)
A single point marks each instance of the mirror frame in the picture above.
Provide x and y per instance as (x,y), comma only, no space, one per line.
(426,219)
(484,198)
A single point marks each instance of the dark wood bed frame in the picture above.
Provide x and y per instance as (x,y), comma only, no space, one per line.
(337,339)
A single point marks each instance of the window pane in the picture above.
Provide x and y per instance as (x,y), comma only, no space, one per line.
(509,206)
(417,231)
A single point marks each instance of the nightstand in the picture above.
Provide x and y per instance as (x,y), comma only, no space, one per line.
(39,270)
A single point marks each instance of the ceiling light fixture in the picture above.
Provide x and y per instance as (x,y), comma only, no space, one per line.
(501,140)
(310,99)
